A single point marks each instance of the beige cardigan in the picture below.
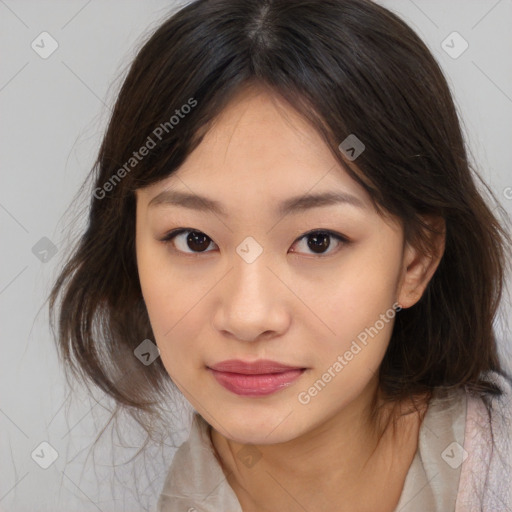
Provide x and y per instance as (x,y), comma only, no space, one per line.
(447,473)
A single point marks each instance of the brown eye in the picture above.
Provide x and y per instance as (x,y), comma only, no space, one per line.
(188,241)
(319,242)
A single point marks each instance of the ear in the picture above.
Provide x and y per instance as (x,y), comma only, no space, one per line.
(419,266)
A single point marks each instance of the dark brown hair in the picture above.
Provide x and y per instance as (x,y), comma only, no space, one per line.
(349,67)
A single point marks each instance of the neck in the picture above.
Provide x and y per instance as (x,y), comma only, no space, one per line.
(326,465)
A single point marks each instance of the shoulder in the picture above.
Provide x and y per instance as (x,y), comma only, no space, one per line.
(489,416)
(486,473)
(195,480)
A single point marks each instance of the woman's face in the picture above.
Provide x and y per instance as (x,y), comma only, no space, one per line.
(251,285)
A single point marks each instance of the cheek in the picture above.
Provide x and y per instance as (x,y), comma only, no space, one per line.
(162,292)
(360,312)
(154,281)
(360,302)
(176,309)
(163,286)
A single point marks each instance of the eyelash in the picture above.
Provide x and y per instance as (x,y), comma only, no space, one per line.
(169,237)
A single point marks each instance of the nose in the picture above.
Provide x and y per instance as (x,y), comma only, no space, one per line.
(252,304)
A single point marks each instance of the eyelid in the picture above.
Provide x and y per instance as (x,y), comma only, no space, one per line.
(170,235)
(342,239)
(178,231)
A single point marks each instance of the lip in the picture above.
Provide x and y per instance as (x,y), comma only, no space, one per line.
(252,368)
(258,378)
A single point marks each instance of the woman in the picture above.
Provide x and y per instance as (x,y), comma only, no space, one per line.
(284,204)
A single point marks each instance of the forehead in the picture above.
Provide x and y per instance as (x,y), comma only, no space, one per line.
(260,149)
(260,127)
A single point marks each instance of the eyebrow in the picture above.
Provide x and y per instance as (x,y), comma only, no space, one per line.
(291,205)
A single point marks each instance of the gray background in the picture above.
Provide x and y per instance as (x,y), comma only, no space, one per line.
(53,114)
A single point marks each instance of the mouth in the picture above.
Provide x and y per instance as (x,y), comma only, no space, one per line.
(258,378)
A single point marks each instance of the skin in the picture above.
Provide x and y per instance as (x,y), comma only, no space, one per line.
(290,305)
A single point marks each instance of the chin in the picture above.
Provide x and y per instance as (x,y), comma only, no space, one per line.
(263,428)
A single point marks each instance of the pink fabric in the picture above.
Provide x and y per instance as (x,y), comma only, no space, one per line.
(486,475)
